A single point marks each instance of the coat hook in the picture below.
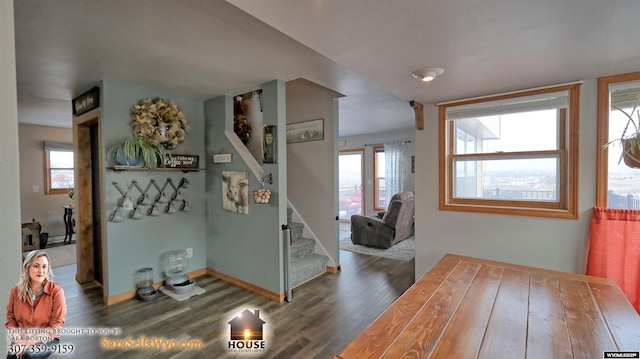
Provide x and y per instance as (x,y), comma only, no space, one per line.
(184,183)
(268,179)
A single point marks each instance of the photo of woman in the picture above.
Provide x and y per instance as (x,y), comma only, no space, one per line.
(35,310)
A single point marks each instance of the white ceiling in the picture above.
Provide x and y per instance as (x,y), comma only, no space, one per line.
(364,49)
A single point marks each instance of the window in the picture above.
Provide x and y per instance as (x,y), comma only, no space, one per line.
(58,163)
(515,153)
(379,189)
(618,186)
(350,183)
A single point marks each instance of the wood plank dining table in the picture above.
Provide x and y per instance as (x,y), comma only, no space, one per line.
(467,307)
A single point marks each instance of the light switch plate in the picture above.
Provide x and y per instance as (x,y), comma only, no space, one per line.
(222,158)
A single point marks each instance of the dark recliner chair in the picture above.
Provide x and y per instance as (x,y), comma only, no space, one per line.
(386,228)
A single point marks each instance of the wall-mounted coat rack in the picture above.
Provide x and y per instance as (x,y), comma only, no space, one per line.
(160,203)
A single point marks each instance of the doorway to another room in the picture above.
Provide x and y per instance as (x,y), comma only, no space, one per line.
(350,187)
(350,184)
(89,215)
(47,208)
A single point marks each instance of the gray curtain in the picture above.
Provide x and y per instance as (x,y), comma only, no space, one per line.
(397,164)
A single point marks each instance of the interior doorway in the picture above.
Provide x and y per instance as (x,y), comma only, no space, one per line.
(89,218)
(350,183)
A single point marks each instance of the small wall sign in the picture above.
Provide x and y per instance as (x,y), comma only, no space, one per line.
(182,161)
(222,158)
(86,102)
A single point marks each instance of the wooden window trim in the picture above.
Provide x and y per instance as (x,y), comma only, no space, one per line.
(602,166)
(47,176)
(566,207)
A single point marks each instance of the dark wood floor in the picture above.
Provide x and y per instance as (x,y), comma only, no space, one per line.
(324,316)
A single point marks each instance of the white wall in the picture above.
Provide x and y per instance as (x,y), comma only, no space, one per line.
(558,244)
(9,191)
(359,142)
(311,165)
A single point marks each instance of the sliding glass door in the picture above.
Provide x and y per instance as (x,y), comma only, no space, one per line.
(351,191)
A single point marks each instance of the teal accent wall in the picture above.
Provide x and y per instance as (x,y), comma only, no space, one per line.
(274,102)
(134,244)
(247,247)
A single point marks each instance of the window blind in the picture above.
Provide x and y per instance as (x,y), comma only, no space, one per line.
(625,95)
(554,100)
(57,146)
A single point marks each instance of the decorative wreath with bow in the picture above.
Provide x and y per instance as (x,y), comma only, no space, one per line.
(160,120)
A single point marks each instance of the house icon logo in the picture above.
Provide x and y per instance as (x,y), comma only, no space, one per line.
(246,332)
(247,326)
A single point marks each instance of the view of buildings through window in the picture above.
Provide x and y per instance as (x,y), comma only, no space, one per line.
(60,171)
(350,176)
(529,177)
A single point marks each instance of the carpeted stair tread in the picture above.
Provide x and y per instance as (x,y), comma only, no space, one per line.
(307,267)
(296,230)
(305,264)
(301,247)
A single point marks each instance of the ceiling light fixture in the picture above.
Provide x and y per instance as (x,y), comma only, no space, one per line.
(427,74)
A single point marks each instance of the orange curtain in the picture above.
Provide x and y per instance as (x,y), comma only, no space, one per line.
(614,250)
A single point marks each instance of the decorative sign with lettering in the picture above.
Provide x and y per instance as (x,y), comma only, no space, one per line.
(182,161)
(86,102)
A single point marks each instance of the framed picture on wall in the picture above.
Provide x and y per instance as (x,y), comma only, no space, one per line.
(235,192)
(305,131)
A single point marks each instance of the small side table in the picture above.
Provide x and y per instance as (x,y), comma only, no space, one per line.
(68,223)
(34,243)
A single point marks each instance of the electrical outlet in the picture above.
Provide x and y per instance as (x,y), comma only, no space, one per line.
(189,252)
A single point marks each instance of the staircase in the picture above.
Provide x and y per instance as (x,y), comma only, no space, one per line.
(305,264)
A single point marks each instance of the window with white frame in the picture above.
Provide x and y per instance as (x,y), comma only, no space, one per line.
(58,163)
(514,153)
